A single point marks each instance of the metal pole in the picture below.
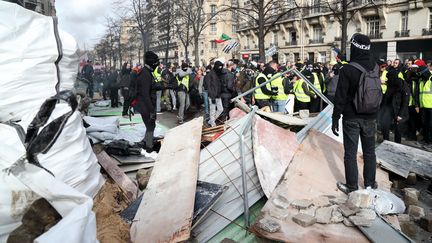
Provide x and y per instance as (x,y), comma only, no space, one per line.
(243,166)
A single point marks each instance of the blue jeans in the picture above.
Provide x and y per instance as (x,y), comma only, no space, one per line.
(206,106)
(278,105)
(352,130)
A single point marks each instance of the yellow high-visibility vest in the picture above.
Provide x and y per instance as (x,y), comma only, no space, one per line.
(259,95)
(384,78)
(184,81)
(317,83)
(281,93)
(157,76)
(426,94)
(300,93)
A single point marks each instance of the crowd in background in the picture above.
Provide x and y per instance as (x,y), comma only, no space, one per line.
(405,109)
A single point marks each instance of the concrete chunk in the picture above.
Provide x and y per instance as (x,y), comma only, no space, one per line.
(281,202)
(411,191)
(409,228)
(367,214)
(337,216)
(321,201)
(416,212)
(426,222)
(339,200)
(348,210)
(411,179)
(301,203)
(268,225)
(309,211)
(361,221)
(403,217)
(323,215)
(360,198)
(304,220)
(347,222)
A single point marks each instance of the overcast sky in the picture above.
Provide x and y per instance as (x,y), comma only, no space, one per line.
(84,19)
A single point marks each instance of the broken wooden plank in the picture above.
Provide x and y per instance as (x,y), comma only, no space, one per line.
(220,163)
(166,213)
(132,159)
(315,169)
(124,182)
(274,148)
(285,119)
(402,159)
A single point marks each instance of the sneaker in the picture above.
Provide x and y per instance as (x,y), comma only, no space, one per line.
(344,188)
(152,155)
(374,186)
(175,108)
(180,121)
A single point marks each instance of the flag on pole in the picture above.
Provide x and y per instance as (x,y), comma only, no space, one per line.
(223,38)
(233,44)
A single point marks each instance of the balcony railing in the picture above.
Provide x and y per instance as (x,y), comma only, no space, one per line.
(291,43)
(426,31)
(316,41)
(375,36)
(403,33)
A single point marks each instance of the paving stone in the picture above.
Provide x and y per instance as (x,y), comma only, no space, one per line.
(301,203)
(411,191)
(337,216)
(409,228)
(426,222)
(360,199)
(411,179)
(281,202)
(278,213)
(309,211)
(416,212)
(403,217)
(339,200)
(143,177)
(321,201)
(347,222)
(347,210)
(323,215)
(410,199)
(304,220)
(268,225)
(367,214)
(360,221)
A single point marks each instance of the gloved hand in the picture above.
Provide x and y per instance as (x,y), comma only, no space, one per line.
(335,126)
(213,101)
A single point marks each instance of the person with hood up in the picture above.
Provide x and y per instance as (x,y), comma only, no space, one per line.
(213,85)
(183,77)
(144,97)
(125,76)
(262,95)
(355,124)
(394,108)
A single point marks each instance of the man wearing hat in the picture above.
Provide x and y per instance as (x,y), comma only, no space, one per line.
(355,124)
(145,97)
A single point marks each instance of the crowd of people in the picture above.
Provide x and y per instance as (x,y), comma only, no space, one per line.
(405,108)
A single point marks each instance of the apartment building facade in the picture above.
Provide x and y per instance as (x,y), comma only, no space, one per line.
(397,28)
(45,7)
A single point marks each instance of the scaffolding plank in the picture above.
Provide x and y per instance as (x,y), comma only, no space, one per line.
(166,213)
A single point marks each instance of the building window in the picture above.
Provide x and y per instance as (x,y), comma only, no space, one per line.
(322,57)
(213,9)
(213,27)
(293,39)
(311,56)
(430,18)
(247,42)
(234,28)
(317,34)
(296,56)
(315,6)
(213,45)
(275,38)
(404,21)
(372,24)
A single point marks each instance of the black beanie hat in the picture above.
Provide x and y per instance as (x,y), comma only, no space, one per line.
(361,42)
(151,59)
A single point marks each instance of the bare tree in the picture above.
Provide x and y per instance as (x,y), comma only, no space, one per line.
(192,12)
(183,28)
(263,15)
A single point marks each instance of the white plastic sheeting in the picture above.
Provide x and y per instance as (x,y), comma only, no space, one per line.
(29,50)
(70,159)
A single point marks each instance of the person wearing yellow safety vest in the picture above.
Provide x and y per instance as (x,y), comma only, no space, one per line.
(279,100)
(383,77)
(318,81)
(262,95)
(183,77)
(157,74)
(426,101)
(302,94)
(414,122)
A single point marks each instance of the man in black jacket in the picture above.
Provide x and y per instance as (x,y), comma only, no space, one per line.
(213,85)
(145,97)
(355,124)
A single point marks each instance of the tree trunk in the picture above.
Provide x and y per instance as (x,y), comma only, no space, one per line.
(168,27)
(344,27)
(186,54)
(261,32)
(196,41)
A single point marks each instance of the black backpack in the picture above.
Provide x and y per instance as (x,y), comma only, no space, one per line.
(368,97)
